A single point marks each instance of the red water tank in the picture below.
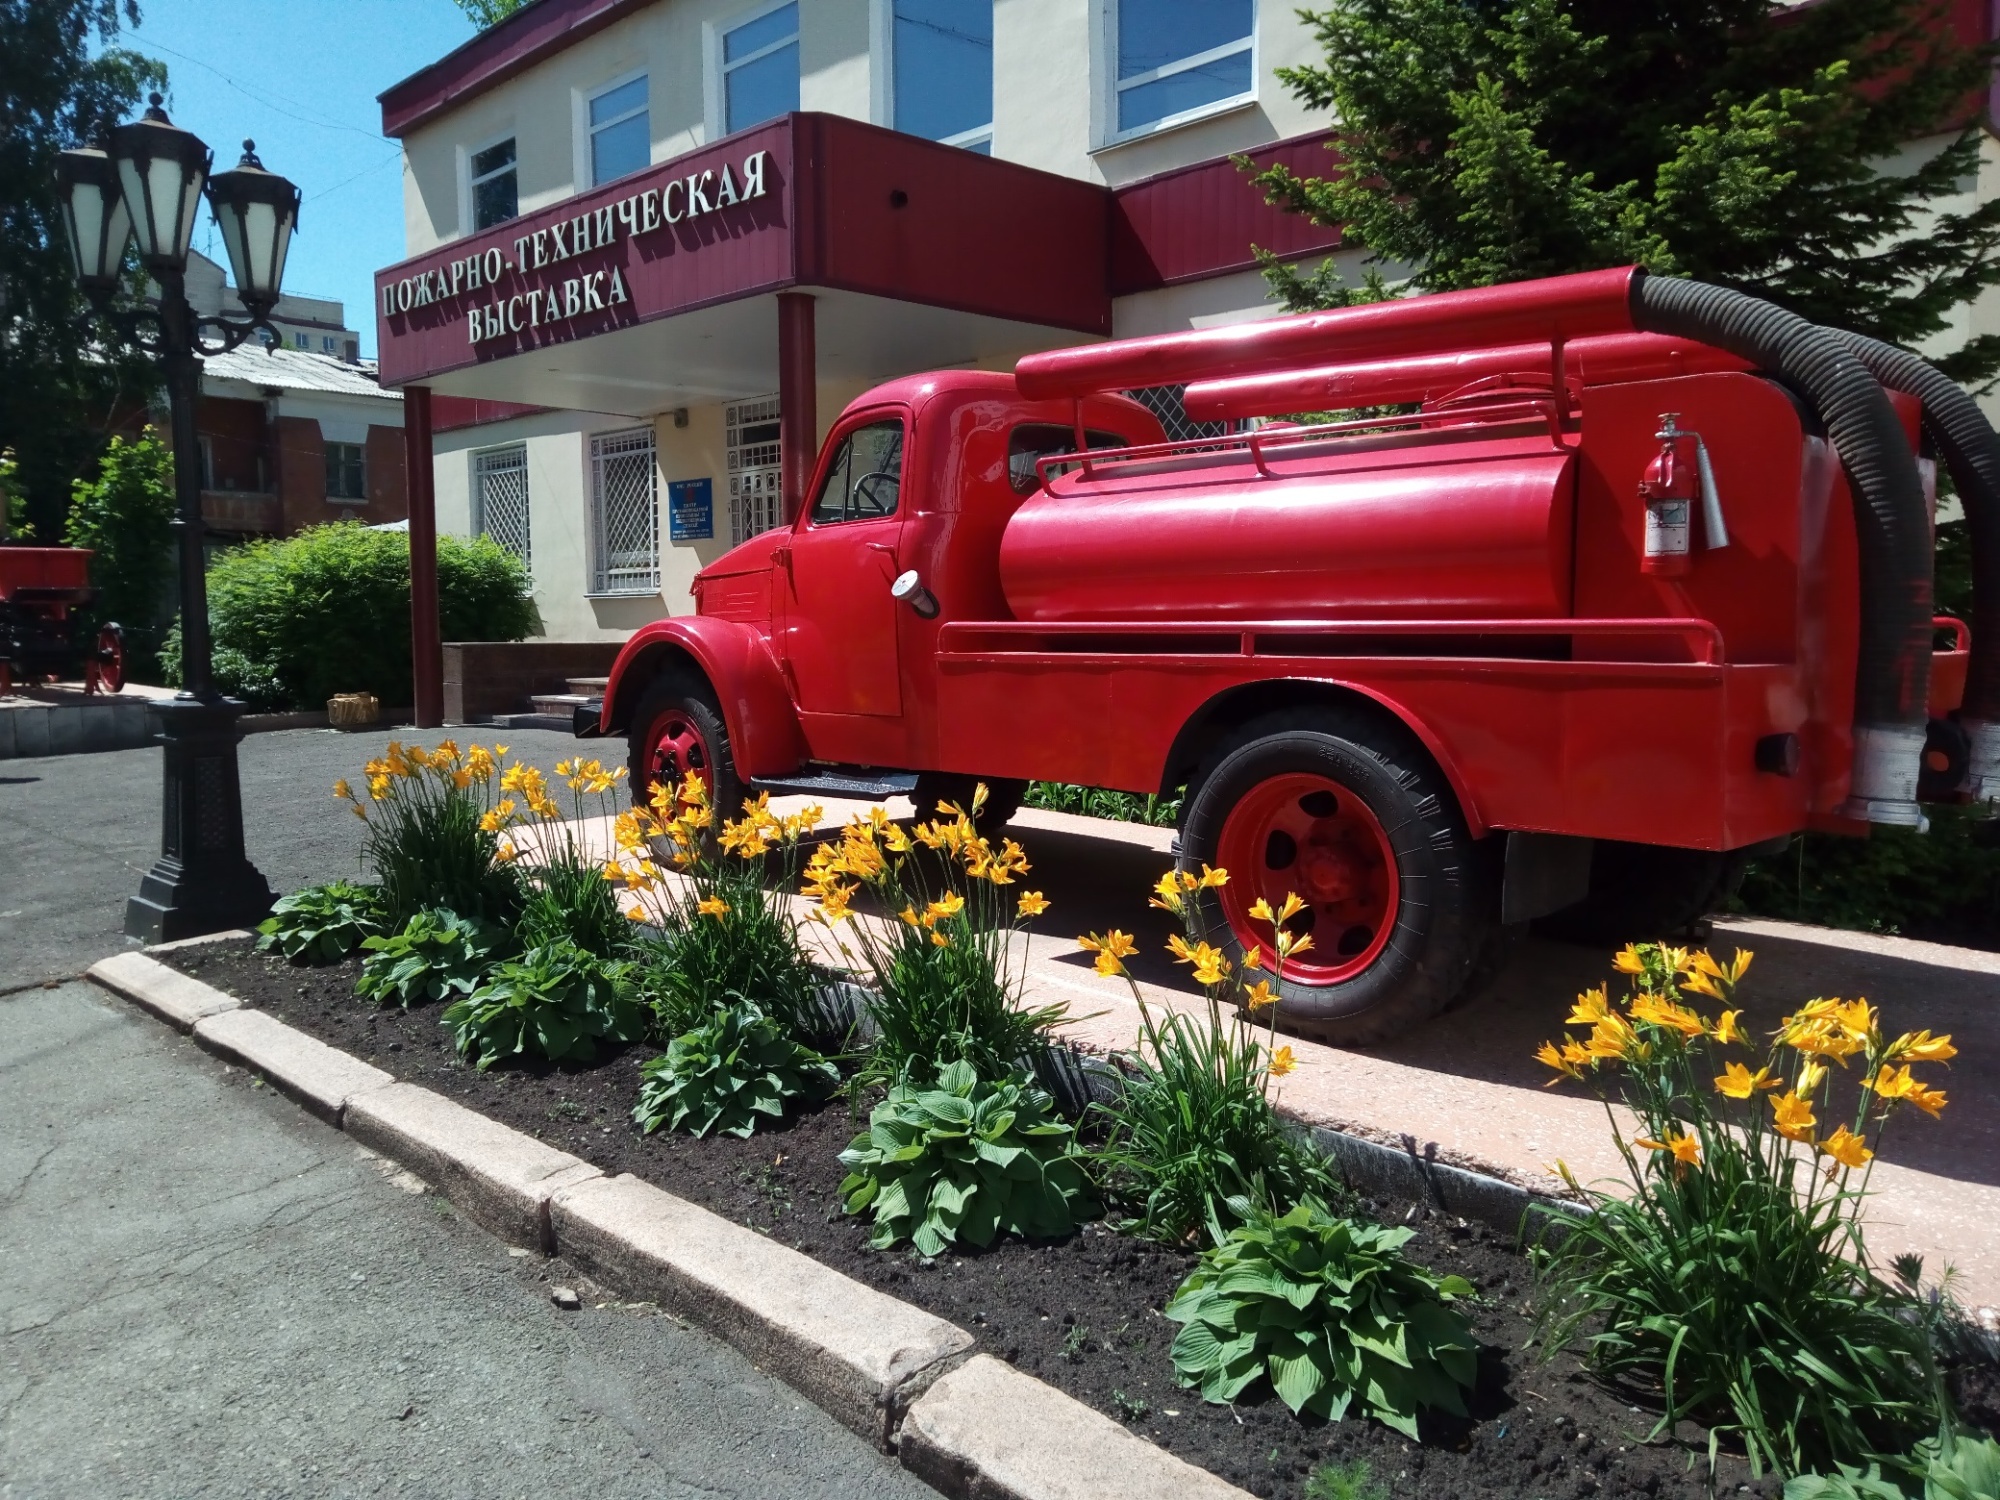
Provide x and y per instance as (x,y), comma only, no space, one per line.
(1466,531)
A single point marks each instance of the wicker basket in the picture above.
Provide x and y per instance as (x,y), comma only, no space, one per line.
(353,710)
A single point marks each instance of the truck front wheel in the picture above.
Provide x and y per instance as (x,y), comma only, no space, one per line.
(1350,814)
(677,731)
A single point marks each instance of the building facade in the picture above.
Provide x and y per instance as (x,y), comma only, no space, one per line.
(651,243)
(657,245)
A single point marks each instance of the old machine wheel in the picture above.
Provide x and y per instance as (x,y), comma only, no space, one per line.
(1349,813)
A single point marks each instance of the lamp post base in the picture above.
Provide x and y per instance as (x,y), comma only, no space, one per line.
(203,882)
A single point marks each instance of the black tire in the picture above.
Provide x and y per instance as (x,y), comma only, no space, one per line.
(682,695)
(1447,911)
(1643,893)
(1003,797)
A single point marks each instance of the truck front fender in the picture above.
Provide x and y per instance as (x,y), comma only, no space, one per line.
(737,663)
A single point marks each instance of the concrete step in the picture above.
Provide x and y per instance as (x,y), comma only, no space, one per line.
(589,687)
(561,723)
(557,703)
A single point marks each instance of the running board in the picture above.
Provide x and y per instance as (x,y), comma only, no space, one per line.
(862,783)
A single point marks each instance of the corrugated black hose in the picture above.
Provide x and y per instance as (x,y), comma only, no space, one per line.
(1892,675)
(1970,448)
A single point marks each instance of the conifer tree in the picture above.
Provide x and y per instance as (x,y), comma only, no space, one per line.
(1777,149)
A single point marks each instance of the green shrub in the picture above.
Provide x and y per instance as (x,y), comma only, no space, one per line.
(1730,1270)
(125,516)
(722,1076)
(964,1161)
(322,923)
(1102,802)
(1331,1312)
(435,830)
(436,955)
(1943,885)
(948,980)
(328,610)
(1194,1131)
(555,1003)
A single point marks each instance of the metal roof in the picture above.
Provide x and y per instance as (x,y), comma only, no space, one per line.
(297,370)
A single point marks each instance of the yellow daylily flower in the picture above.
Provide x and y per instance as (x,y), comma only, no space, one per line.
(1031,904)
(1738,1082)
(1548,1056)
(1846,1148)
(1728,1031)
(1627,961)
(1253,957)
(1260,996)
(1591,1007)
(1918,1046)
(1657,1010)
(1686,1147)
(1282,1062)
(1792,1117)
(1811,1076)
(343,791)
(1111,949)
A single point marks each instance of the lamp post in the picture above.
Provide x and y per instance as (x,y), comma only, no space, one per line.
(147,188)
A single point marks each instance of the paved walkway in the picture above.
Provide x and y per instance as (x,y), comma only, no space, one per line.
(207,1292)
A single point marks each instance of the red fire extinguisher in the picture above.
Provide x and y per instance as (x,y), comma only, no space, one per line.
(1670,489)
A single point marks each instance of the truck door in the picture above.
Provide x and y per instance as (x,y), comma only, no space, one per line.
(840,621)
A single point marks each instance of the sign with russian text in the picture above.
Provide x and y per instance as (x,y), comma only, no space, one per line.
(690,510)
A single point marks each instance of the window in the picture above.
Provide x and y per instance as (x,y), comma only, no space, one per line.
(863,480)
(941,57)
(625,513)
(620,139)
(1178,56)
(346,472)
(1039,440)
(301,340)
(326,343)
(495,199)
(756,488)
(500,498)
(760,68)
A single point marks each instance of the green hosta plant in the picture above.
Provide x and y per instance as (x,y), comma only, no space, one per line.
(1331,1312)
(1952,1466)
(964,1160)
(555,1002)
(438,955)
(322,923)
(722,1076)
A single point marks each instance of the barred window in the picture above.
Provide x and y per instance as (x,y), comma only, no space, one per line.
(500,498)
(756,498)
(625,513)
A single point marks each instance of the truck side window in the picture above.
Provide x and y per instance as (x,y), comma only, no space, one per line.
(863,481)
(1039,440)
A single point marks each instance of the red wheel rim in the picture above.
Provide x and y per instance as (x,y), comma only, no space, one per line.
(678,751)
(110,663)
(1311,835)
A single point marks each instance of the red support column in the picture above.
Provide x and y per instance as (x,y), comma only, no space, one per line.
(798,434)
(426,649)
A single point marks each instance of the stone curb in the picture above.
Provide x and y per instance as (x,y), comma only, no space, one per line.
(167,993)
(1500,1205)
(870,1360)
(320,1077)
(987,1432)
(858,1353)
(502,1179)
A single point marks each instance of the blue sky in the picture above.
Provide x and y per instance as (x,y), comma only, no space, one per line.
(300,77)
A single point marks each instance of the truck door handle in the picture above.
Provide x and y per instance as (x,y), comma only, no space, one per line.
(886,548)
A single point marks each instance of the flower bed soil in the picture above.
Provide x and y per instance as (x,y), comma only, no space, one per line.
(1082,1314)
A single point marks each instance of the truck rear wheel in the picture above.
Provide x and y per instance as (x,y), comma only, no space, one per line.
(1352,815)
(677,731)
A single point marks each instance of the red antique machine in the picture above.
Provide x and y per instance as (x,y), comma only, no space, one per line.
(41,635)
(1639,589)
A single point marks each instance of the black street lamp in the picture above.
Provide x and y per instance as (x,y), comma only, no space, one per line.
(147,188)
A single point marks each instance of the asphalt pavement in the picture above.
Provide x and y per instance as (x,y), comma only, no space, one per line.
(78,831)
(206,1292)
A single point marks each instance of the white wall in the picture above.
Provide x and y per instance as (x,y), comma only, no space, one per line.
(1053,61)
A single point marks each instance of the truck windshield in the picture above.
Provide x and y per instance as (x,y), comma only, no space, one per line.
(1041,439)
(863,481)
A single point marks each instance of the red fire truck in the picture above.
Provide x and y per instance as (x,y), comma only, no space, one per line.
(1640,587)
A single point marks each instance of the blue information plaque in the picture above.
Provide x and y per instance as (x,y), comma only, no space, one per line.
(690,510)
